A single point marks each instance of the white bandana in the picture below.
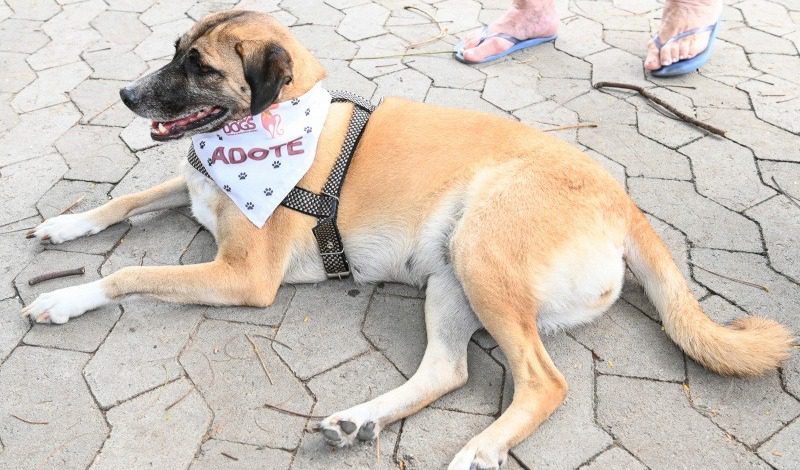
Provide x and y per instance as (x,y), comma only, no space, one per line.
(258,159)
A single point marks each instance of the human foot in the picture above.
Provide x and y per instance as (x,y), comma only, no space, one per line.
(527,19)
(678,17)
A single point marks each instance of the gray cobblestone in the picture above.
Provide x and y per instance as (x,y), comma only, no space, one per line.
(781,449)
(778,218)
(363,21)
(21,36)
(766,141)
(17,191)
(12,327)
(406,83)
(213,457)
(453,430)
(95,154)
(614,458)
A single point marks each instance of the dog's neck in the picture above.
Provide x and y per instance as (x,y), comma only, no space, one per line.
(307,71)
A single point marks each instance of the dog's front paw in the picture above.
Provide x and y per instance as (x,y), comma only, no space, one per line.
(62,304)
(478,457)
(64,228)
(343,429)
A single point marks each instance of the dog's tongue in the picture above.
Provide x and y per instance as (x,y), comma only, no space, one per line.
(167,127)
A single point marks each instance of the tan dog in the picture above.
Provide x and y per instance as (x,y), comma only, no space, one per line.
(507,227)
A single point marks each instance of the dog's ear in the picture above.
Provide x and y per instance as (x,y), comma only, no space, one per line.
(267,68)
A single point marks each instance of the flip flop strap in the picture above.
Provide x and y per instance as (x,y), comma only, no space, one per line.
(488,34)
(659,44)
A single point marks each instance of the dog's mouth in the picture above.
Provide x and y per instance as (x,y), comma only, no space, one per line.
(176,128)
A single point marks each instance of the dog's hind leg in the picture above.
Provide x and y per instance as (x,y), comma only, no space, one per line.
(62,228)
(450,323)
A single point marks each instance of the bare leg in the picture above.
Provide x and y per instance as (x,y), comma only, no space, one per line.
(450,323)
(167,195)
(525,19)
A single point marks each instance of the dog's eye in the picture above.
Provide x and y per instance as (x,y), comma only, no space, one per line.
(196,64)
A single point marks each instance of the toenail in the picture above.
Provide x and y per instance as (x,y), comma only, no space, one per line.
(347,426)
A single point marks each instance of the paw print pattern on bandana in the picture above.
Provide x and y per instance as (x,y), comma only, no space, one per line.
(276,164)
(249,206)
(202,144)
(268,192)
(227,188)
(242,175)
(308,111)
(307,129)
(210,162)
(295,101)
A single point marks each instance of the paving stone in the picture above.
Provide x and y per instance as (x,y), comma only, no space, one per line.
(45,386)
(63,51)
(119,27)
(141,353)
(447,73)
(202,249)
(458,15)
(730,64)
(160,43)
(156,165)
(12,326)
(130,5)
(660,412)
(74,17)
(269,316)
(778,65)
(51,87)
(156,239)
(750,409)
(615,65)
(322,326)
(33,9)
(639,155)
(16,72)
(678,203)
(165,11)
(580,37)
(741,126)
(552,63)
(791,375)
(115,63)
(779,303)
(93,97)
(14,246)
(549,114)
(594,106)
(159,429)
(562,90)
(95,153)
(465,99)
(726,172)
(663,128)
(776,102)
(632,42)
(483,339)
(222,363)
(637,6)
(614,458)
(402,290)
(213,457)
(201,10)
(21,36)
(8,117)
(136,135)
(630,344)
(786,174)
(21,185)
(781,450)
(315,454)
(720,310)
(556,444)
(342,77)
(453,431)
(84,333)
(769,17)
(380,46)
(324,42)
(510,86)
(363,21)
(779,218)
(405,83)
(705,92)
(754,41)
(313,12)
(611,17)
(117,115)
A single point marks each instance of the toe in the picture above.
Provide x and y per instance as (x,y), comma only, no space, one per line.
(331,436)
(489,47)
(367,431)
(653,60)
(665,55)
(347,426)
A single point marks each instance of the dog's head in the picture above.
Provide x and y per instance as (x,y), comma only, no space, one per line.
(229,65)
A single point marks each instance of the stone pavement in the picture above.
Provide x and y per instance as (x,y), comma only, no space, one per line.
(149,384)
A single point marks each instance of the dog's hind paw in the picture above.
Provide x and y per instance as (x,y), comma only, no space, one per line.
(64,228)
(477,458)
(343,429)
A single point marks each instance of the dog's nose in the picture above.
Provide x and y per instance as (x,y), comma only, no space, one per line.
(128,96)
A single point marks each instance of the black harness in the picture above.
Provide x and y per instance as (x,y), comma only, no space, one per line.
(325,205)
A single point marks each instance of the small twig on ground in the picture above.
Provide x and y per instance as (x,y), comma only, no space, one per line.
(791,198)
(662,103)
(169,407)
(273,340)
(260,359)
(442,29)
(740,281)
(571,126)
(680,86)
(404,54)
(20,230)
(292,413)
(56,275)
(29,421)
(235,459)
(72,206)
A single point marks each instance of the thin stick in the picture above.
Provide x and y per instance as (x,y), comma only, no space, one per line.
(179,399)
(662,103)
(72,206)
(782,191)
(229,456)
(746,283)
(292,413)
(571,126)
(260,359)
(405,54)
(20,230)
(272,340)
(442,29)
(29,421)
(56,275)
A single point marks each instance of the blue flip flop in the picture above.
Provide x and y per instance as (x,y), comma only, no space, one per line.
(517,44)
(682,67)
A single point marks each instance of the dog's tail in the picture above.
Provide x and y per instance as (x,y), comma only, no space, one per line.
(749,346)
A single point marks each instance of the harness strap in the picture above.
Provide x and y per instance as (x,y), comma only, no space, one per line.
(324,206)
